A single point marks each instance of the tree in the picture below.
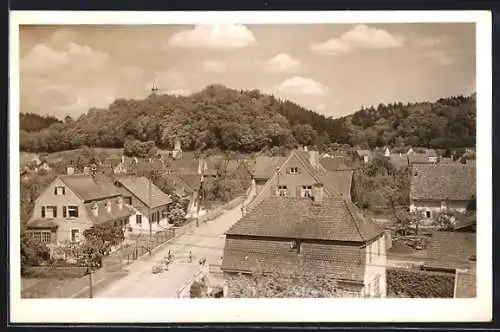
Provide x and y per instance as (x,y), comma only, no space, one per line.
(406,220)
(444,220)
(304,134)
(176,214)
(198,289)
(32,251)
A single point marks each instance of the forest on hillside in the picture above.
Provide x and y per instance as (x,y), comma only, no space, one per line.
(31,122)
(249,121)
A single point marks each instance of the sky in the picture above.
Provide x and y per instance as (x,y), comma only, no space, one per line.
(332,69)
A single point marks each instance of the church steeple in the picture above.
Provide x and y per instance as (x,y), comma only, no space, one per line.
(154,89)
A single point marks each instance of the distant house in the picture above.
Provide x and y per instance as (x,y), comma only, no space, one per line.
(399,160)
(297,174)
(423,156)
(436,188)
(135,192)
(365,155)
(455,252)
(318,236)
(73,203)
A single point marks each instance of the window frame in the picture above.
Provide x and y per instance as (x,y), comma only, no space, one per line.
(138,219)
(71,235)
(306,191)
(293,170)
(69,208)
(282,190)
(428,214)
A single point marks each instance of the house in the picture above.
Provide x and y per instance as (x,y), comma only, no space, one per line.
(436,188)
(321,236)
(365,155)
(136,193)
(423,156)
(297,174)
(187,186)
(73,203)
(264,168)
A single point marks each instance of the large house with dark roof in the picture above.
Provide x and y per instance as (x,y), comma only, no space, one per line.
(322,236)
(436,188)
(297,174)
(73,203)
(136,193)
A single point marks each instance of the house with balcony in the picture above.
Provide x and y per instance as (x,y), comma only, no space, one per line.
(73,203)
(147,208)
(316,235)
(440,187)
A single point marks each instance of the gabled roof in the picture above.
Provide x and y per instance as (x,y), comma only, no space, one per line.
(299,218)
(451,250)
(265,166)
(104,216)
(139,187)
(90,189)
(442,182)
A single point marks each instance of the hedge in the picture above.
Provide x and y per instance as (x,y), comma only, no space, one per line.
(419,284)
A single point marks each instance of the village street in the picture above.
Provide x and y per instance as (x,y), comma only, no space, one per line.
(206,241)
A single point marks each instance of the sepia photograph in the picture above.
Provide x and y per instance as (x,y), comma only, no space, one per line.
(239,158)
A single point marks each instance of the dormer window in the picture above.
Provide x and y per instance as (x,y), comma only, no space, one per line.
(294,170)
(59,190)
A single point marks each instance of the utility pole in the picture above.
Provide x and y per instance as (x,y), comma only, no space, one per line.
(200,195)
(90,282)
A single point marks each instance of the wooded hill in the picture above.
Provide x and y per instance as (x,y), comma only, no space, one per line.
(248,121)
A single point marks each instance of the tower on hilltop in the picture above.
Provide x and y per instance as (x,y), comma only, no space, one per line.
(154,89)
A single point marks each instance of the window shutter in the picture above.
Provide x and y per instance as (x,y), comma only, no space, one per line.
(274,191)
(55,211)
(43,211)
(64,190)
(64,212)
(76,211)
(55,190)
(298,191)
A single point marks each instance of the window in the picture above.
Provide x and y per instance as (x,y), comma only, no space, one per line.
(427,214)
(37,236)
(128,200)
(72,211)
(49,212)
(296,245)
(46,237)
(138,219)
(158,217)
(306,191)
(294,170)
(75,235)
(59,190)
(282,190)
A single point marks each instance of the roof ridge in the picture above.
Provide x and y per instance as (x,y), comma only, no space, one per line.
(354,221)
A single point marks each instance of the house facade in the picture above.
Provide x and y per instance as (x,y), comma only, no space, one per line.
(297,174)
(441,187)
(135,192)
(73,203)
(318,236)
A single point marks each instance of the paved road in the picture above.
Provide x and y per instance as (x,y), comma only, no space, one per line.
(205,241)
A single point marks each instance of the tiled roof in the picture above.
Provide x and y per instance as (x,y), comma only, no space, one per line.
(103,215)
(89,189)
(442,182)
(184,182)
(265,166)
(340,261)
(140,188)
(451,250)
(43,223)
(337,183)
(187,163)
(399,160)
(291,217)
(465,284)
(333,164)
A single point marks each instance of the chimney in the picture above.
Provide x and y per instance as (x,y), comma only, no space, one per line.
(314,158)
(318,193)
(86,170)
(108,206)
(95,209)
(119,202)
(70,171)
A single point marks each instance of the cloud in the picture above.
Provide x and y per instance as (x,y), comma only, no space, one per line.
(359,37)
(432,42)
(43,60)
(62,37)
(214,66)
(440,57)
(301,86)
(281,63)
(179,92)
(214,36)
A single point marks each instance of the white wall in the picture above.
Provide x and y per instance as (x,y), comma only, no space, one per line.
(435,207)
(375,267)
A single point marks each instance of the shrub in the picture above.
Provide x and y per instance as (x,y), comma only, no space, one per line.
(419,284)
(197,289)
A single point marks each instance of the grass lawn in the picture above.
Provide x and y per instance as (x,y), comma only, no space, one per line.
(403,252)
(41,287)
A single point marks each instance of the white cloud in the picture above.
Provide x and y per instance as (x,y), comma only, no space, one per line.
(432,42)
(281,63)
(301,86)
(214,36)
(359,37)
(41,59)
(178,92)
(214,66)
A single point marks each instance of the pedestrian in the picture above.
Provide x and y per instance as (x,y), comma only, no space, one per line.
(190,256)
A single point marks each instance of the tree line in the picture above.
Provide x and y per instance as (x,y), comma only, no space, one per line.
(249,121)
